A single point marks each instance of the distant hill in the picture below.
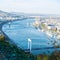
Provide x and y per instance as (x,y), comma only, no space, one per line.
(8,15)
(17,15)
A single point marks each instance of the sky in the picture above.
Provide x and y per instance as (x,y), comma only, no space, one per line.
(31,6)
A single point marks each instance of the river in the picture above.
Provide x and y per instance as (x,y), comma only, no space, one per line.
(20,31)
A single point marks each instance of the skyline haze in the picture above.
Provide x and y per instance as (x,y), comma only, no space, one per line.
(31,6)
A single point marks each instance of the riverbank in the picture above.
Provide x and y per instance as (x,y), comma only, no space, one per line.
(11,52)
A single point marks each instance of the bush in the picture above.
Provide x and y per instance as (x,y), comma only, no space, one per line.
(2,37)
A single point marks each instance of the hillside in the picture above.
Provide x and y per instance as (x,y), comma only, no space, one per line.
(9,16)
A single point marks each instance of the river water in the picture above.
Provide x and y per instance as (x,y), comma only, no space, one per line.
(20,31)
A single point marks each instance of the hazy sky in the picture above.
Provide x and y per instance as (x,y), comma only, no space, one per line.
(31,6)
